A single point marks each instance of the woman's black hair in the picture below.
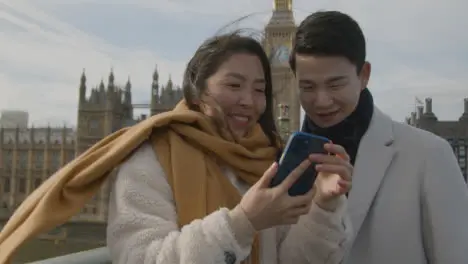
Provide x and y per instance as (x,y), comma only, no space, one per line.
(209,57)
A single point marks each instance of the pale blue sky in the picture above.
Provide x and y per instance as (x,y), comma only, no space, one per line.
(417,48)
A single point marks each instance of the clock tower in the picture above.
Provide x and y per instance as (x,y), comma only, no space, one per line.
(279,33)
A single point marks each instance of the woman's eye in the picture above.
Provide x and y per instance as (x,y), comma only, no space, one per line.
(234,85)
(259,87)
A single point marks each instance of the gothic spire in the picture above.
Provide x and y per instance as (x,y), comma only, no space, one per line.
(83,77)
(169,85)
(156,74)
(128,86)
(111,77)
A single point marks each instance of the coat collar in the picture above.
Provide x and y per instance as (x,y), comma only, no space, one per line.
(375,153)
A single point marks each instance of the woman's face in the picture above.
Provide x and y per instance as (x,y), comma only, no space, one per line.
(238,88)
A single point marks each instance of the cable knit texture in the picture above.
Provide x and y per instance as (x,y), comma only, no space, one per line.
(142,226)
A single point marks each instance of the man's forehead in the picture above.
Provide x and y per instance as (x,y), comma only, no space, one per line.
(324,63)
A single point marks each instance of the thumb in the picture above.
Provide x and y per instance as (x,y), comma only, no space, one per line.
(265,180)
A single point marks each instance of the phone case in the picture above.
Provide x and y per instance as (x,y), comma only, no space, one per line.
(300,145)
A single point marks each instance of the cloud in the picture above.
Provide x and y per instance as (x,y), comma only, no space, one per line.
(416,48)
(41,64)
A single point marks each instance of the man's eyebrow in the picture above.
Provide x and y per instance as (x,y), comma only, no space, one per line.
(336,78)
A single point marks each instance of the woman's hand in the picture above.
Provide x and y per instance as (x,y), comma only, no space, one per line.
(334,176)
(267,207)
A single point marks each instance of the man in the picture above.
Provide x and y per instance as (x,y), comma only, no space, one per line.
(409,203)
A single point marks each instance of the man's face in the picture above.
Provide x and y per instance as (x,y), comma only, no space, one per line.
(329,87)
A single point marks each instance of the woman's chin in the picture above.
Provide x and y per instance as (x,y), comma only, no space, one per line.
(239,133)
(238,130)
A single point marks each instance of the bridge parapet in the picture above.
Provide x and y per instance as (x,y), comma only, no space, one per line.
(94,256)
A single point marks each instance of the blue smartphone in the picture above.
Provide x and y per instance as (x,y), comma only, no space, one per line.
(299,146)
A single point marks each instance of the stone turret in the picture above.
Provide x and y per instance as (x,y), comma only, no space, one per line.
(155,92)
(82,92)
(429,114)
(464,116)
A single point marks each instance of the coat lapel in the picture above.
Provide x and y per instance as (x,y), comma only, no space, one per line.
(374,155)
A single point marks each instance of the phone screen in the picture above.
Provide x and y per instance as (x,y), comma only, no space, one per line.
(299,147)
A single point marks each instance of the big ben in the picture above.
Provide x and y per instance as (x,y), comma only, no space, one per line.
(279,34)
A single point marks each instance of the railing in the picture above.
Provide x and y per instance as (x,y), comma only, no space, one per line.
(94,256)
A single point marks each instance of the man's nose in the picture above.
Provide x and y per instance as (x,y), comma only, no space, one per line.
(323,99)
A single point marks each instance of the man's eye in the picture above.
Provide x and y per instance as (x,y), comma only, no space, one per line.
(336,86)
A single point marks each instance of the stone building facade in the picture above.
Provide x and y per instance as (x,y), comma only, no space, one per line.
(29,155)
(455,132)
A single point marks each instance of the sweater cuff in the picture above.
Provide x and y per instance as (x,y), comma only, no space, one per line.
(243,230)
(332,219)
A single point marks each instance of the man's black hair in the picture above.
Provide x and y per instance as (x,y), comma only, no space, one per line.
(330,33)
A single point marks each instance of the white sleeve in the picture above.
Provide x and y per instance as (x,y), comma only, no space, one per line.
(142,224)
(320,237)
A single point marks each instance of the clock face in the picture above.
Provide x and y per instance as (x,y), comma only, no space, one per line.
(281,54)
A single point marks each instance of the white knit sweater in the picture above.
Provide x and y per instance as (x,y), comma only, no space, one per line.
(142,226)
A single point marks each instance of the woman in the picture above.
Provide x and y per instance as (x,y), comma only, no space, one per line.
(169,201)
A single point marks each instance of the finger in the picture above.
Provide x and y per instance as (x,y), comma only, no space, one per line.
(298,212)
(337,150)
(323,158)
(299,207)
(293,176)
(345,186)
(342,188)
(301,210)
(265,180)
(344,172)
(300,200)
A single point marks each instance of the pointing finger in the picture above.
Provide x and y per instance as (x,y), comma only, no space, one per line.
(337,150)
(265,180)
(294,176)
(328,159)
(342,171)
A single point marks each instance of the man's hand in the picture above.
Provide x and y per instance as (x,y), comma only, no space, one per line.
(334,176)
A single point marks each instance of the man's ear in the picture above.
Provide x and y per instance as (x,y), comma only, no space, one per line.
(364,75)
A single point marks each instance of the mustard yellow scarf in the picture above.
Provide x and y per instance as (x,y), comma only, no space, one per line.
(189,149)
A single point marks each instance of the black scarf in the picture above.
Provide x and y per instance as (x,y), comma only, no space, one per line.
(347,133)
